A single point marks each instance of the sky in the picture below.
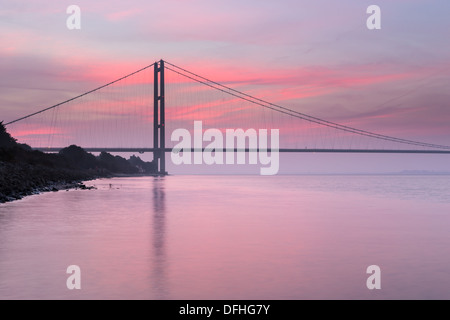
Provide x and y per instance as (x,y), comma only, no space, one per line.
(317,57)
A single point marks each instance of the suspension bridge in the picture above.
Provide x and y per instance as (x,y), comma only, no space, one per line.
(129,115)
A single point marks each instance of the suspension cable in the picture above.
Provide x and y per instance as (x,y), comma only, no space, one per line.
(294,113)
(81,95)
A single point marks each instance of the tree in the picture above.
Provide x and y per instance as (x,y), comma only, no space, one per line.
(6,141)
(116,164)
(79,158)
(144,167)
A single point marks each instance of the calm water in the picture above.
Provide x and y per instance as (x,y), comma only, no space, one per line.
(231,237)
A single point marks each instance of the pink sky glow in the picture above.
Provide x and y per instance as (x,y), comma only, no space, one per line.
(299,54)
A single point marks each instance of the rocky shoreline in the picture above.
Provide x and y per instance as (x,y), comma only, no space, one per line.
(20,180)
(24,171)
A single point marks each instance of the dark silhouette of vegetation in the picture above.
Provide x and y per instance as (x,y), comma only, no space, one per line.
(77,158)
(142,166)
(6,141)
(24,171)
(116,164)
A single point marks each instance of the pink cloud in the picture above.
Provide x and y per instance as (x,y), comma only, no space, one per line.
(122,15)
(35,132)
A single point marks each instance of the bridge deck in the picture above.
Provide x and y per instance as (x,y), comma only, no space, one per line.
(143,150)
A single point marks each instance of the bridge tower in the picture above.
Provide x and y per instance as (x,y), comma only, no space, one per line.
(159,130)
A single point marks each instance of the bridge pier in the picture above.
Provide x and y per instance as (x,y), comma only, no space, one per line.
(159,130)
